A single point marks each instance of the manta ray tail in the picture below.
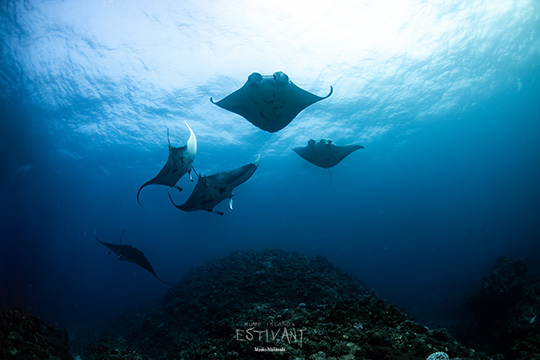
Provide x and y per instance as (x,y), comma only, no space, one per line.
(121,236)
(162,281)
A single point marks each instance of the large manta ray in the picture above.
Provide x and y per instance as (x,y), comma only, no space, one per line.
(325,153)
(179,162)
(130,254)
(269,102)
(213,189)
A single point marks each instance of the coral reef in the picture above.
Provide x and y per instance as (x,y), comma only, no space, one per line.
(285,305)
(506,309)
(25,336)
(501,289)
(440,355)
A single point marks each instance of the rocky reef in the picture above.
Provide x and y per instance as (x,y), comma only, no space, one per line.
(277,305)
(25,336)
(506,309)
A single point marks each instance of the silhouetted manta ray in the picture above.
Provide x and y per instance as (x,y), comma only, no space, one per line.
(213,189)
(130,254)
(325,153)
(178,163)
(269,102)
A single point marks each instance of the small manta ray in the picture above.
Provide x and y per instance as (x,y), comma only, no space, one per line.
(130,254)
(325,153)
(213,189)
(269,102)
(179,162)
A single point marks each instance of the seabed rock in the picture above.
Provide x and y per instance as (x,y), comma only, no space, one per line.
(506,309)
(272,304)
(25,336)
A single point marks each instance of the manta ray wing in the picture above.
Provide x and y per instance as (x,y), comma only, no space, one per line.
(324,153)
(133,255)
(178,163)
(136,256)
(213,189)
(269,102)
(117,249)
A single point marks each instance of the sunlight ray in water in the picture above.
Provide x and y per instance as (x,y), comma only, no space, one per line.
(119,66)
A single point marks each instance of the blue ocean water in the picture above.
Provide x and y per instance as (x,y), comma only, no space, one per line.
(443,95)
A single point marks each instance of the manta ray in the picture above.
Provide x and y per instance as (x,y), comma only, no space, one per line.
(325,153)
(269,102)
(130,254)
(179,162)
(213,189)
